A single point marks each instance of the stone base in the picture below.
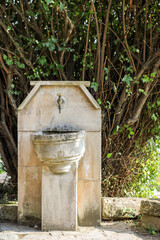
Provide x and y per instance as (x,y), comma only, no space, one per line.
(59,200)
(150,207)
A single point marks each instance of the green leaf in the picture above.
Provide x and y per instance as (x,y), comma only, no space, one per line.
(99,101)
(127,79)
(153,74)
(42,60)
(154,117)
(109,155)
(5,57)
(61,6)
(116,129)
(49,1)
(145,79)
(94,85)
(22,65)
(129,69)
(9,62)
(106,70)
(158,102)
(75,40)
(142,91)
(108,105)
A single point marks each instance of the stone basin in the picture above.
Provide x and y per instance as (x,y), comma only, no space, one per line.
(59,149)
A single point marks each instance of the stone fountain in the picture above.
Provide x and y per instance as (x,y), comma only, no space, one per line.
(60,152)
(59,163)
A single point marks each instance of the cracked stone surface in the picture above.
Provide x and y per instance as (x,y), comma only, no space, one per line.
(107,231)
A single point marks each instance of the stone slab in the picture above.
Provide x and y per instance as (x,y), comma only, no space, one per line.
(120,208)
(29,195)
(59,205)
(90,164)
(89,202)
(61,83)
(26,153)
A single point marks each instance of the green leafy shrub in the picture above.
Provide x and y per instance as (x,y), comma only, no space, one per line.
(2,167)
(146,169)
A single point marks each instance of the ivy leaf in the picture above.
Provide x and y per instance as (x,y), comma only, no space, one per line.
(42,60)
(145,79)
(129,69)
(94,85)
(127,79)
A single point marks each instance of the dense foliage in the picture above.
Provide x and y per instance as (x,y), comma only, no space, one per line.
(113,44)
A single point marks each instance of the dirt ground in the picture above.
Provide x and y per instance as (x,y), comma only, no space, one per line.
(143,231)
(124,230)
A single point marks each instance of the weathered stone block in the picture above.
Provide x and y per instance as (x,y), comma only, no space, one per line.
(150,210)
(120,208)
(8,212)
(150,207)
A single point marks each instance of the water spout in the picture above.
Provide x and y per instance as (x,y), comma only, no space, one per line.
(60,101)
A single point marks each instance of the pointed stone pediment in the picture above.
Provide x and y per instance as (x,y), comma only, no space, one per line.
(80,84)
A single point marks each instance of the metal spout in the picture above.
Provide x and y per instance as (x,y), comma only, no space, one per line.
(60,101)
